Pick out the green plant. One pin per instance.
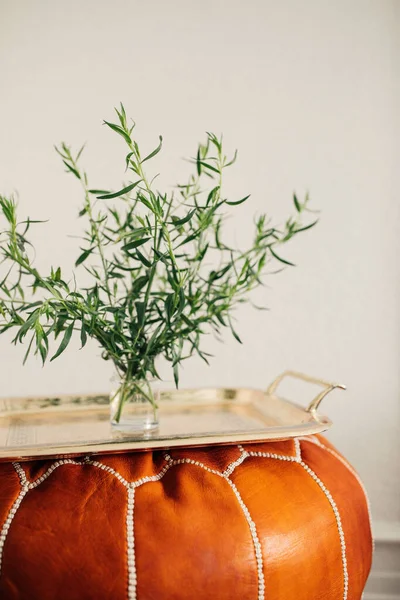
(162, 275)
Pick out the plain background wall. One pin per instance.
(308, 93)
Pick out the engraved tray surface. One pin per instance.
(79, 425)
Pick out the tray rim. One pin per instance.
(315, 423)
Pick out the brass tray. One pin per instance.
(79, 425)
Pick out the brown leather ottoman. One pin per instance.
(278, 520)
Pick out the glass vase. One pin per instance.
(133, 409)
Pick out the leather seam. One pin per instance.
(339, 525)
(314, 440)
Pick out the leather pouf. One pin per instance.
(278, 520)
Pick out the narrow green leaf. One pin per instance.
(218, 274)
(140, 311)
(143, 259)
(135, 244)
(306, 227)
(121, 115)
(296, 203)
(182, 300)
(127, 269)
(42, 352)
(59, 325)
(72, 169)
(32, 305)
(163, 256)
(128, 159)
(188, 322)
(214, 140)
(176, 374)
(190, 238)
(169, 306)
(83, 334)
(221, 319)
(178, 222)
(156, 151)
(96, 192)
(153, 339)
(212, 194)
(282, 260)
(77, 295)
(83, 256)
(233, 160)
(201, 254)
(28, 350)
(238, 201)
(125, 190)
(138, 232)
(28, 324)
(198, 161)
(119, 130)
(29, 221)
(144, 201)
(207, 166)
(139, 283)
(64, 342)
(79, 153)
(235, 335)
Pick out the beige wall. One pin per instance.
(307, 92)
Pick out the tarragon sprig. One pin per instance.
(162, 275)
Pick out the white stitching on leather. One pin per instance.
(317, 442)
(338, 523)
(53, 467)
(297, 448)
(10, 516)
(21, 473)
(283, 457)
(103, 467)
(130, 543)
(256, 541)
(232, 466)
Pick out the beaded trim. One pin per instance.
(338, 523)
(20, 473)
(230, 468)
(8, 521)
(130, 543)
(54, 466)
(298, 459)
(103, 467)
(317, 442)
(256, 541)
(170, 462)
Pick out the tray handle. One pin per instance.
(315, 402)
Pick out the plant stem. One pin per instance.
(98, 244)
(129, 387)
